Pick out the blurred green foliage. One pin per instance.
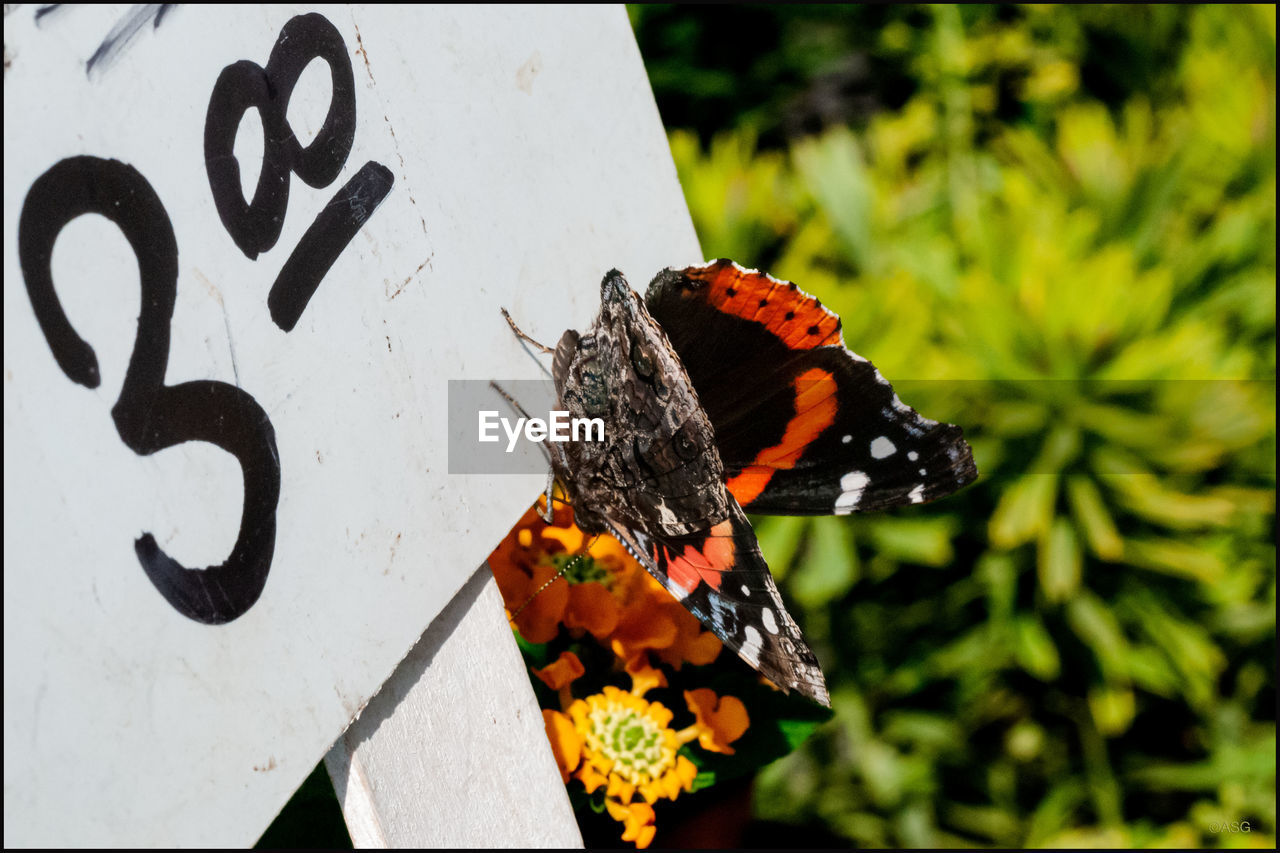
(1054, 226)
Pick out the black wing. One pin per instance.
(804, 426)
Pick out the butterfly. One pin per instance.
(726, 390)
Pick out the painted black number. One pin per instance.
(150, 415)
(255, 225)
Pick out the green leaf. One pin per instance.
(1054, 813)
(1058, 562)
(926, 541)
(833, 170)
(1098, 628)
(1182, 559)
(779, 537)
(704, 779)
(797, 732)
(1112, 708)
(1091, 514)
(1034, 649)
(829, 567)
(1025, 510)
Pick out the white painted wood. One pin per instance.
(451, 752)
(528, 158)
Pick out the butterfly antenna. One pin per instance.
(577, 558)
(550, 499)
(522, 336)
(519, 408)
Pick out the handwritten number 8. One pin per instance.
(255, 225)
(149, 415)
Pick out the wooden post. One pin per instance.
(447, 754)
(245, 250)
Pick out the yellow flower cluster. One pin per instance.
(551, 577)
(622, 741)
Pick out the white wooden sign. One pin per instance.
(245, 248)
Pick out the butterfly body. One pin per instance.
(657, 468)
(726, 388)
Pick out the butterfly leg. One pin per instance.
(549, 513)
(522, 336)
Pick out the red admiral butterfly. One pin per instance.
(727, 389)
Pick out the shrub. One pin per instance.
(1079, 649)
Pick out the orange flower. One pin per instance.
(552, 575)
(643, 626)
(566, 746)
(560, 673)
(644, 677)
(719, 720)
(549, 575)
(629, 746)
(619, 740)
(593, 607)
(653, 620)
(693, 643)
(544, 599)
(636, 819)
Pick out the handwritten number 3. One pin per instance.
(148, 414)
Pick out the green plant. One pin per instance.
(1080, 649)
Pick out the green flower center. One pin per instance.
(632, 741)
(581, 568)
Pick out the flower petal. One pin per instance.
(569, 537)
(644, 677)
(566, 745)
(637, 820)
(591, 778)
(720, 720)
(620, 789)
(539, 621)
(693, 644)
(641, 628)
(561, 672)
(593, 607)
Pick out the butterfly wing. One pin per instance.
(720, 576)
(804, 426)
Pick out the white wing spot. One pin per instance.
(923, 472)
(912, 455)
(751, 647)
(846, 439)
(917, 494)
(851, 486)
(882, 447)
(766, 616)
(746, 591)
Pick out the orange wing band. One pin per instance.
(793, 316)
(815, 411)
